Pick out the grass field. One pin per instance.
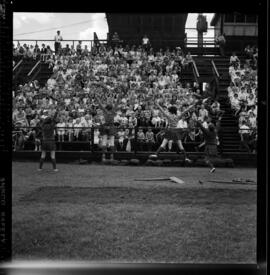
(92, 212)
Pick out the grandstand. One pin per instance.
(44, 81)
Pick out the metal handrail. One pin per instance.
(17, 65)
(33, 68)
(215, 68)
(196, 74)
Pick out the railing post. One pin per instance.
(135, 141)
(92, 140)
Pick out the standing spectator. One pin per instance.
(115, 40)
(43, 52)
(221, 41)
(57, 42)
(79, 48)
(146, 42)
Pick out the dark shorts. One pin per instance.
(211, 150)
(174, 134)
(48, 145)
(108, 130)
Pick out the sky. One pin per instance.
(74, 26)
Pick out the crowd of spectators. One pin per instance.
(26, 51)
(148, 76)
(242, 93)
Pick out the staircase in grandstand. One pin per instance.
(229, 136)
(43, 73)
(29, 70)
(229, 123)
(21, 71)
(208, 66)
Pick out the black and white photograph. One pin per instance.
(134, 137)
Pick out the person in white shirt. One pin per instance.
(253, 109)
(202, 113)
(97, 137)
(244, 132)
(252, 120)
(146, 42)
(235, 103)
(77, 128)
(121, 137)
(57, 42)
(182, 123)
(242, 95)
(234, 60)
(251, 100)
(61, 130)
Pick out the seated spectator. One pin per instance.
(61, 130)
(77, 128)
(97, 138)
(234, 60)
(188, 60)
(120, 139)
(235, 103)
(140, 139)
(248, 52)
(19, 117)
(149, 139)
(252, 121)
(245, 133)
(202, 113)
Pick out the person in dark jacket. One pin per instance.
(48, 140)
(210, 137)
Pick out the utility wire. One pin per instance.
(50, 29)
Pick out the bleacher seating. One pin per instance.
(149, 76)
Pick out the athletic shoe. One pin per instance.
(55, 170)
(187, 160)
(39, 169)
(213, 170)
(154, 156)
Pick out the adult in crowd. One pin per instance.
(220, 40)
(146, 43)
(57, 42)
(147, 76)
